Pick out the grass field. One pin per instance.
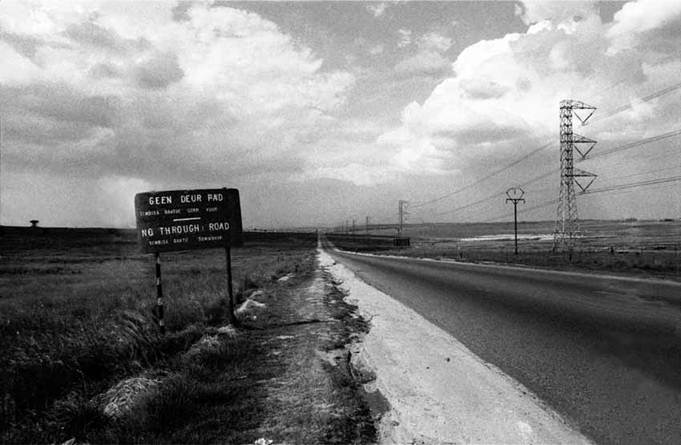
(76, 317)
(647, 248)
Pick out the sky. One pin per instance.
(325, 112)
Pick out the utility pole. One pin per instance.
(567, 219)
(515, 195)
(367, 225)
(402, 213)
(353, 226)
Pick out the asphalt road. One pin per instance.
(605, 352)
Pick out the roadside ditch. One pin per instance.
(285, 375)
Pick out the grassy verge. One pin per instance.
(76, 317)
(624, 260)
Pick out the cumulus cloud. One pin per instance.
(650, 22)
(157, 71)
(504, 93)
(128, 88)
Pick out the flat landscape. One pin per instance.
(641, 248)
(340, 222)
(81, 356)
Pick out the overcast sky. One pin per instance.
(322, 112)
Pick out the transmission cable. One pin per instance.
(484, 178)
(608, 114)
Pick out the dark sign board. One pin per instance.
(188, 219)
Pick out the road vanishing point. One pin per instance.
(603, 351)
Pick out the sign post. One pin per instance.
(189, 219)
(159, 295)
(515, 195)
(230, 290)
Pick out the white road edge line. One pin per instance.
(520, 268)
(438, 390)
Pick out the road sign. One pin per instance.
(188, 219)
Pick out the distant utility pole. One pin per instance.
(567, 219)
(353, 226)
(402, 213)
(367, 225)
(515, 195)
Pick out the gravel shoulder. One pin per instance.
(438, 390)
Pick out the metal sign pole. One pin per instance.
(230, 291)
(159, 295)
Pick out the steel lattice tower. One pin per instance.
(567, 220)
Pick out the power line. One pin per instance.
(549, 173)
(647, 98)
(523, 211)
(610, 189)
(608, 114)
(604, 116)
(658, 170)
(634, 185)
(484, 178)
(638, 143)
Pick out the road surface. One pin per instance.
(605, 352)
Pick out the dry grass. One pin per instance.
(76, 315)
(645, 248)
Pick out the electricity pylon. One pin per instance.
(567, 220)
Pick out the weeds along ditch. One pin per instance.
(76, 317)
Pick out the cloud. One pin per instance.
(534, 11)
(377, 9)
(423, 62)
(91, 34)
(405, 38)
(16, 67)
(376, 50)
(157, 71)
(428, 58)
(126, 89)
(435, 41)
(504, 93)
(644, 21)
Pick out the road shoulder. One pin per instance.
(438, 390)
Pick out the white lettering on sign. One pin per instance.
(147, 232)
(215, 197)
(157, 200)
(190, 198)
(210, 238)
(179, 230)
(218, 226)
